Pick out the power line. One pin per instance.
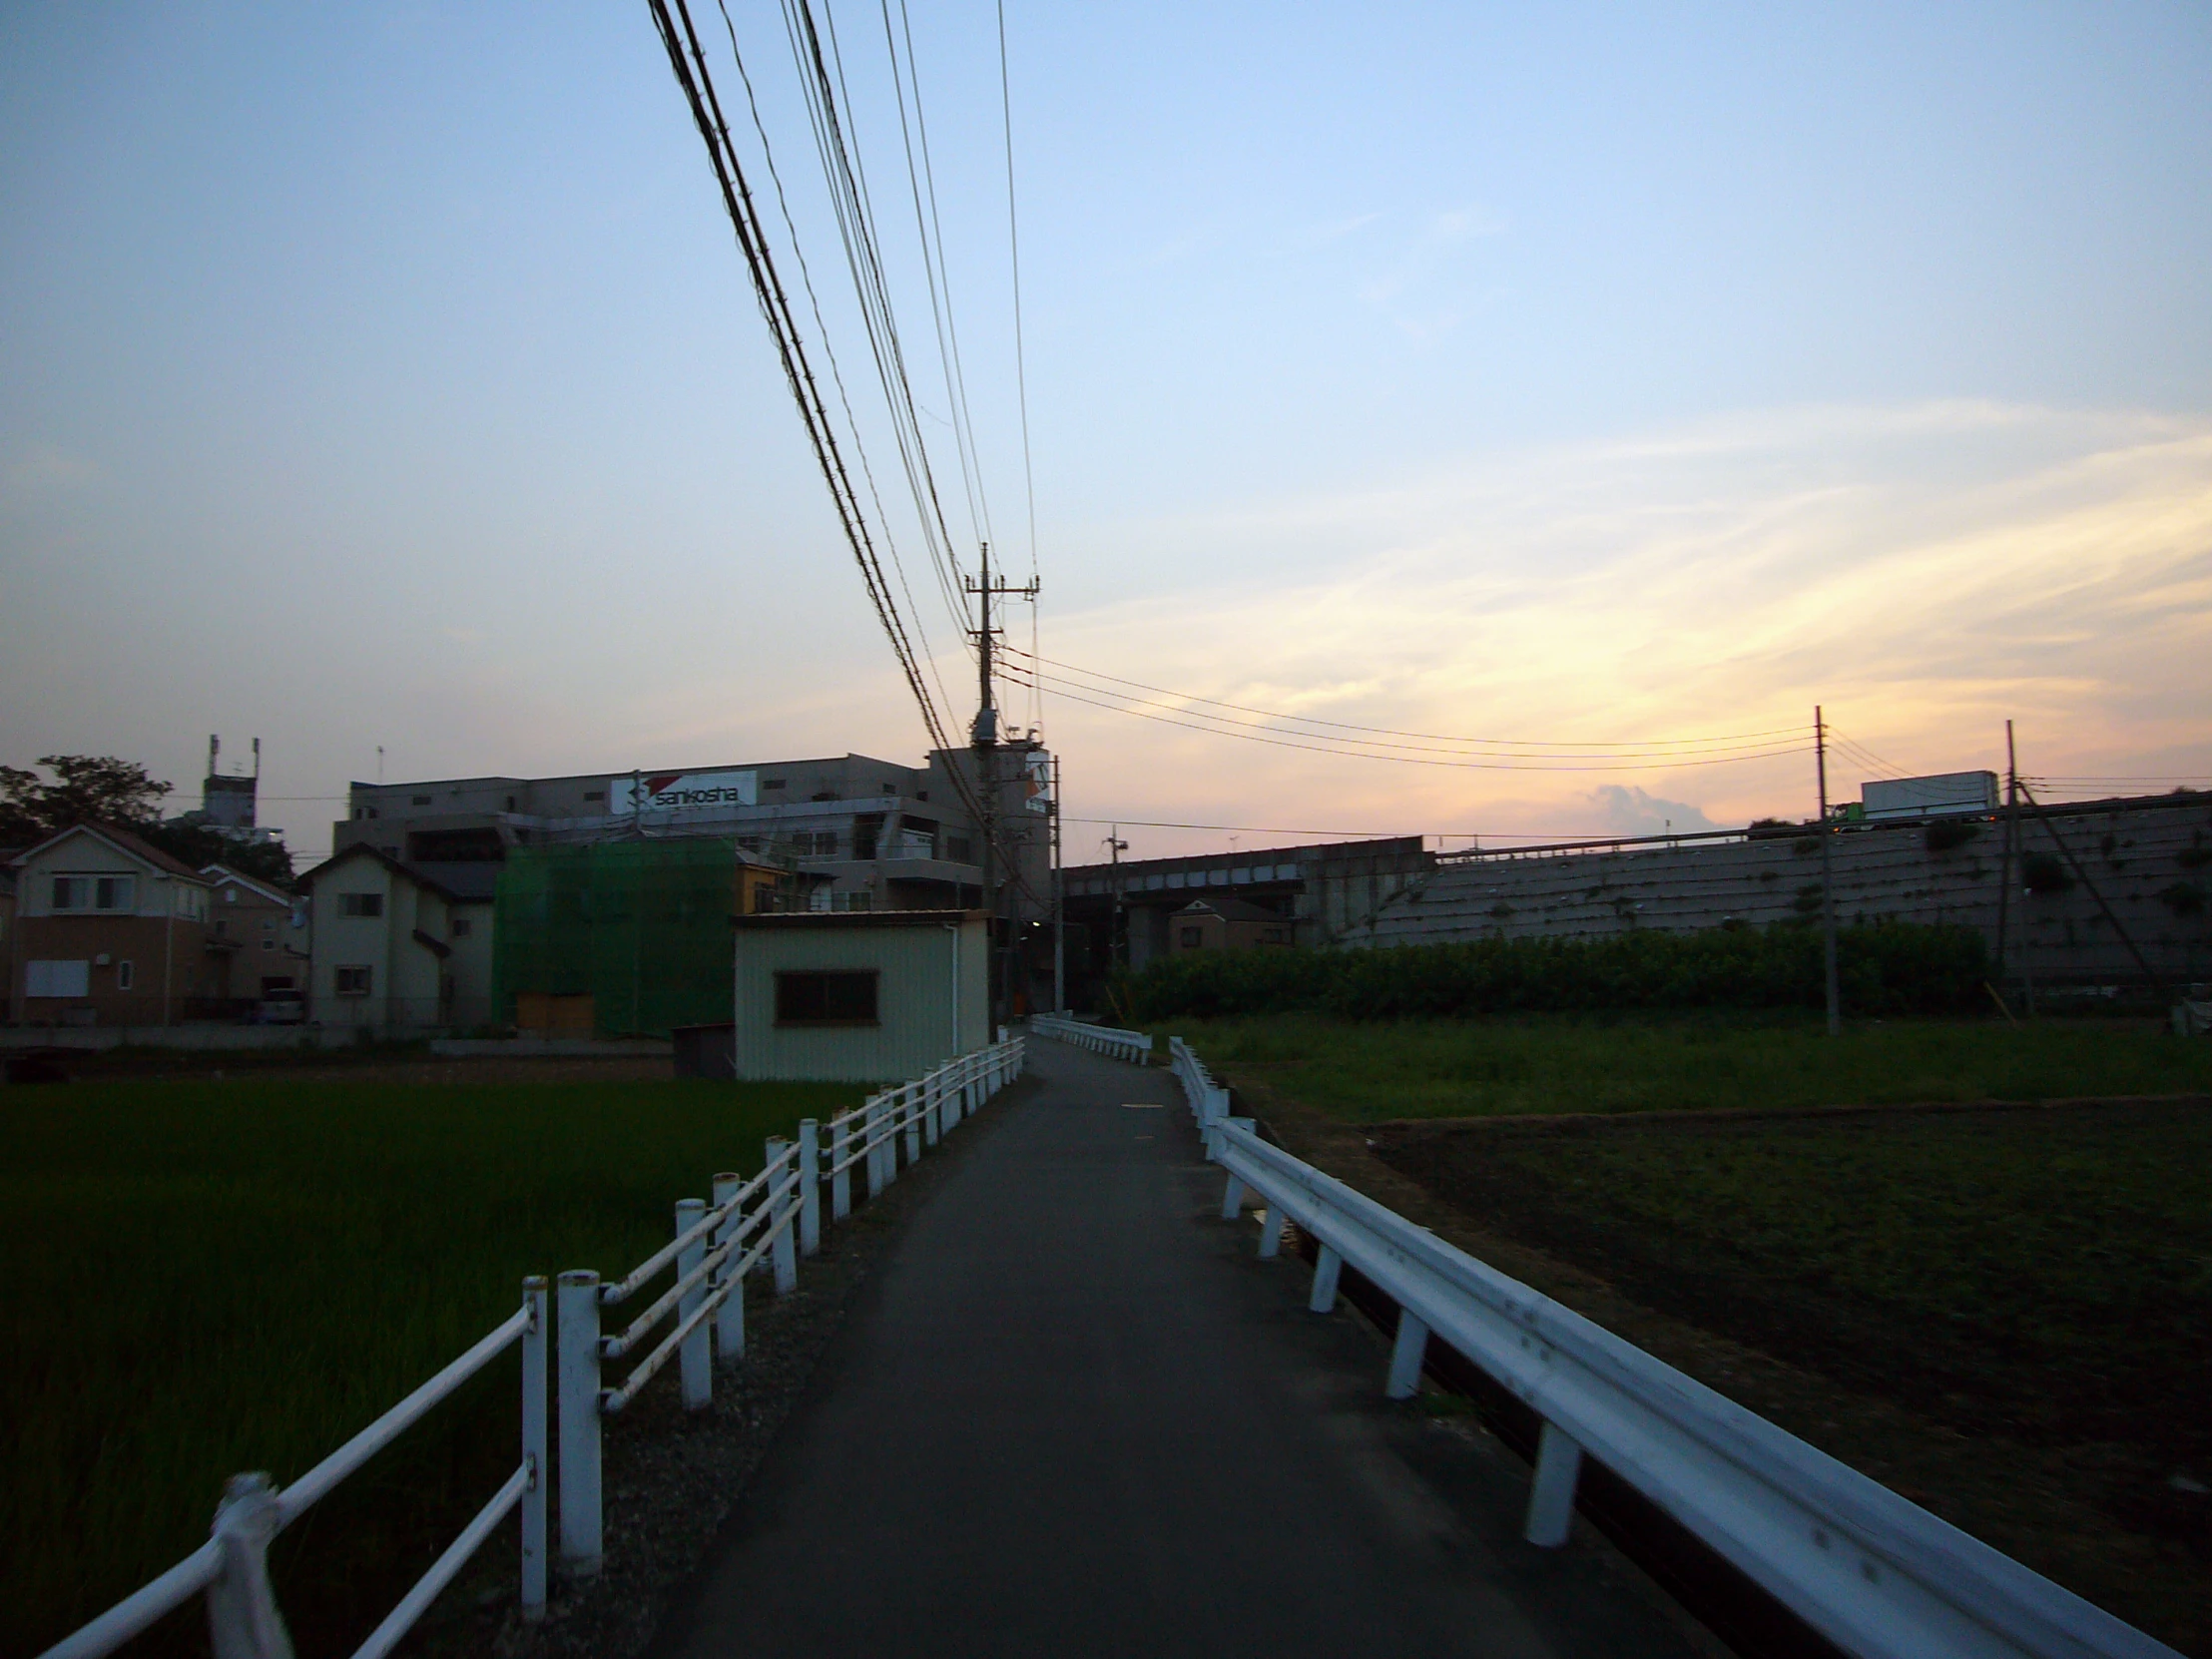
(1654, 745)
(1021, 368)
(1523, 764)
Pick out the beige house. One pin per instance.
(872, 997)
(257, 936)
(398, 947)
(1226, 924)
(109, 932)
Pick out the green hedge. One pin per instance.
(1886, 968)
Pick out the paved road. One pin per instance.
(1075, 1415)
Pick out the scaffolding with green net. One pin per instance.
(641, 928)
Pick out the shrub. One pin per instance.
(1947, 835)
(2042, 873)
(1886, 967)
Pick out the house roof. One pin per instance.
(123, 841)
(830, 920)
(466, 881)
(219, 873)
(1233, 909)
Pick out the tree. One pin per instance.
(98, 788)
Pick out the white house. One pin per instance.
(872, 997)
(399, 948)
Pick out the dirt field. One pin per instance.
(2004, 1313)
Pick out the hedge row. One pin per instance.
(1885, 969)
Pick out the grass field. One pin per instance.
(1368, 1072)
(226, 1276)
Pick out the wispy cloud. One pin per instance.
(1923, 572)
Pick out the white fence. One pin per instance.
(1134, 1046)
(1872, 1572)
(768, 1221)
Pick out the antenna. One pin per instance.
(256, 759)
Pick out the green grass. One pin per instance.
(219, 1277)
(1366, 1072)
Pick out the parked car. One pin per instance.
(282, 1008)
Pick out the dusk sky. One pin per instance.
(1576, 374)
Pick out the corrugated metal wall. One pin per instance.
(923, 975)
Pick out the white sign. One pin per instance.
(1040, 782)
(683, 794)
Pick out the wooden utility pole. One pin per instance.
(985, 737)
(1828, 878)
(2007, 852)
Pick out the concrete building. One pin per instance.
(1225, 923)
(258, 936)
(109, 932)
(2145, 861)
(230, 801)
(399, 948)
(875, 997)
(1319, 892)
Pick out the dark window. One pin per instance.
(960, 850)
(422, 800)
(361, 903)
(773, 784)
(461, 928)
(1192, 938)
(864, 833)
(595, 795)
(845, 997)
(351, 982)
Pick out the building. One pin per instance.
(2094, 885)
(399, 948)
(859, 997)
(110, 931)
(230, 801)
(258, 936)
(853, 832)
(1225, 923)
(1126, 911)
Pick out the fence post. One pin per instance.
(1327, 1265)
(243, 1620)
(910, 1108)
(696, 1356)
(810, 1187)
(576, 1303)
(1232, 1199)
(1551, 1493)
(729, 1315)
(869, 1123)
(1271, 1231)
(783, 1216)
(1406, 1355)
(536, 1338)
(932, 1096)
(841, 1175)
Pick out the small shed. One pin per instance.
(873, 996)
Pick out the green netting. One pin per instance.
(641, 927)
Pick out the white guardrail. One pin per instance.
(1874, 1574)
(771, 1220)
(1134, 1046)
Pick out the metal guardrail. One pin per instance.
(1135, 1046)
(774, 1218)
(232, 1567)
(1871, 1571)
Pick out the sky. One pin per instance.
(388, 375)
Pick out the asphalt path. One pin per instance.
(1075, 1414)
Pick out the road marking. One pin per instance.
(1144, 1106)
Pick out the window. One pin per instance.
(269, 924)
(95, 892)
(269, 945)
(57, 979)
(844, 997)
(360, 904)
(773, 784)
(350, 981)
(462, 928)
(422, 801)
(1192, 938)
(891, 789)
(125, 975)
(230, 895)
(222, 927)
(817, 843)
(960, 850)
(595, 795)
(510, 804)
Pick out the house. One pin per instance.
(859, 996)
(1225, 924)
(7, 931)
(398, 947)
(109, 932)
(258, 935)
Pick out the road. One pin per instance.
(1074, 1415)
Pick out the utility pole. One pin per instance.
(985, 737)
(1059, 905)
(1115, 847)
(1828, 878)
(2009, 851)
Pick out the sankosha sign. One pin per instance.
(684, 794)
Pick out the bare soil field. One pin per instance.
(2002, 1312)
